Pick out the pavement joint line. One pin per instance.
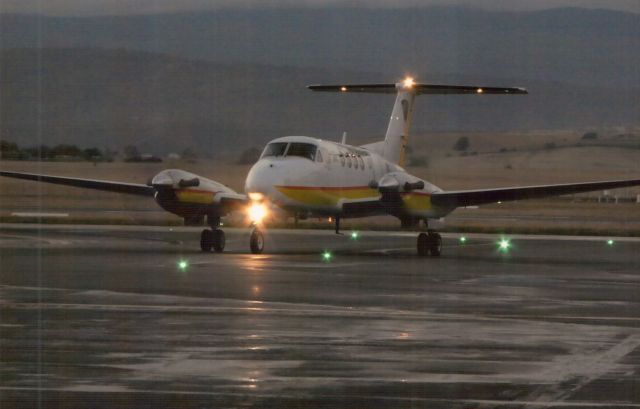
(314, 232)
(574, 404)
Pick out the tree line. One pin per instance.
(61, 152)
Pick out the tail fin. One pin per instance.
(397, 136)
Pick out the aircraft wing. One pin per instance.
(483, 196)
(105, 185)
(362, 208)
(233, 201)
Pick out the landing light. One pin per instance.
(183, 265)
(355, 235)
(504, 245)
(257, 212)
(343, 89)
(463, 239)
(408, 82)
(610, 242)
(326, 255)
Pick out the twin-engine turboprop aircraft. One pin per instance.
(305, 176)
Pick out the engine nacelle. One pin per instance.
(399, 182)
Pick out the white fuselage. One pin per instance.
(335, 174)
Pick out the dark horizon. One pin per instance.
(84, 8)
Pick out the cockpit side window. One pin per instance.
(305, 150)
(274, 149)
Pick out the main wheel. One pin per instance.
(206, 240)
(435, 244)
(423, 244)
(219, 240)
(256, 242)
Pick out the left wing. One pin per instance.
(462, 198)
(105, 185)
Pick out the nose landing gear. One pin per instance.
(429, 243)
(256, 241)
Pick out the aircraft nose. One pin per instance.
(263, 176)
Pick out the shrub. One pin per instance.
(462, 144)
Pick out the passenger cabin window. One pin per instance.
(274, 149)
(305, 150)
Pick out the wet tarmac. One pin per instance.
(105, 317)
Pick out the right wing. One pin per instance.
(104, 185)
(463, 198)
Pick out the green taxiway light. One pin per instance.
(504, 244)
(610, 242)
(326, 256)
(355, 235)
(183, 264)
(463, 239)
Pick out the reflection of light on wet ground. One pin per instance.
(403, 335)
(254, 263)
(254, 306)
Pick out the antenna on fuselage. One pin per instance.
(344, 138)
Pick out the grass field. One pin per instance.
(524, 160)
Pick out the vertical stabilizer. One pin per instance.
(395, 141)
(397, 136)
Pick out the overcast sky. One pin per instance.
(97, 7)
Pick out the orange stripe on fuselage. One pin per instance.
(330, 195)
(326, 195)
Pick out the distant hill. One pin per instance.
(575, 46)
(112, 98)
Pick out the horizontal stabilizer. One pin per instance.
(104, 185)
(419, 89)
(485, 196)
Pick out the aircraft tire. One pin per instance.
(219, 240)
(256, 242)
(206, 240)
(435, 244)
(423, 244)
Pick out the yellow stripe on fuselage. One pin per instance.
(326, 196)
(195, 196)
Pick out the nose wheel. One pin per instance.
(429, 244)
(212, 239)
(256, 241)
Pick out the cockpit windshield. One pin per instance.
(275, 149)
(305, 150)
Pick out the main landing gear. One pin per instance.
(213, 237)
(429, 244)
